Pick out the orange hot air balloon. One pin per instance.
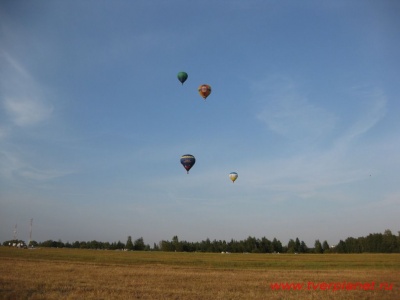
(204, 90)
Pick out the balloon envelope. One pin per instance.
(182, 76)
(233, 176)
(188, 161)
(204, 90)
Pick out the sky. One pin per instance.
(304, 107)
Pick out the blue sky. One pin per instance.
(304, 107)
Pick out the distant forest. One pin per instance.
(373, 243)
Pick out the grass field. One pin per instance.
(90, 274)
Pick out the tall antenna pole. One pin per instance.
(30, 233)
(15, 232)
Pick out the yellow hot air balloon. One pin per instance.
(233, 176)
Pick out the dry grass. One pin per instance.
(85, 274)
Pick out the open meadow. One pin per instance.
(98, 274)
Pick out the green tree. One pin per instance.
(48, 243)
(318, 247)
(129, 244)
(291, 246)
(166, 246)
(176, 244)
(117, 246)
(325, 247)
(297, 245)
(276, 246)
(303, 247)
(398, 241)
(389, 242)
(341, 247)
(353, 245)
(156, 247)
(251, 245)
(206, 245)
(94, 245)
(265, 245)
(33, 244)
(139, 244)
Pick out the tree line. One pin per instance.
(373, 243)
(138, 244)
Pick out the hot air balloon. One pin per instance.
(204, 90)
(188, 161)
(233, 176)
(182, 76)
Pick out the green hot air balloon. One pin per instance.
(182, 76)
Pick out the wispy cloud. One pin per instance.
(289, 113)
(27, 111)
(373, 110)
(22, 97)
(304, 172)
(24, 105)
(16, 166)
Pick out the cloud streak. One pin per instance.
(22, 97)
(27, 111)
(17, 166)
(289, 113)
(304, 172)
(24, 107)
(374, 110)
